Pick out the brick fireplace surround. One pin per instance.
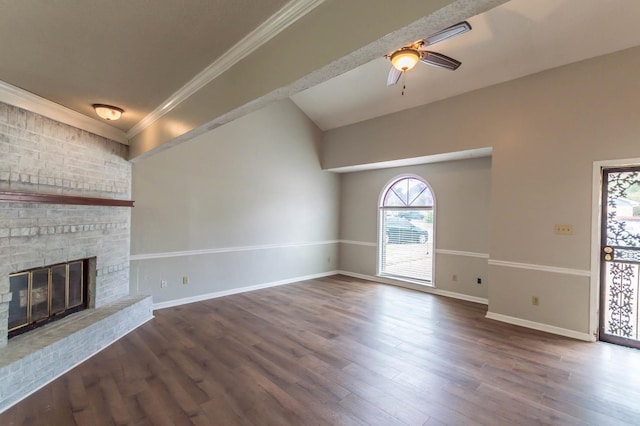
(39, 155)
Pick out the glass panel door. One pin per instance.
(19, 305)
(75, 284)
(405, 236)
(58, 288)
(406, 246)
(39, 295)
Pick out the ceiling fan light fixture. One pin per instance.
(108, 112)
(405, 58)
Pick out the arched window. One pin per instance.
(406, 230)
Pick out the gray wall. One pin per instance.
(462, 194)
(546, 131)
(246, 204)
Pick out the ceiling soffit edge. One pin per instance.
(277, 23)
(20, 98)
(414, 161)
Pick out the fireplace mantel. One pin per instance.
(31, 197)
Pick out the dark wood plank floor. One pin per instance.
(340, 351)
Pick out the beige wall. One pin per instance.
(243, 205)
(546, 131)
(462, 193)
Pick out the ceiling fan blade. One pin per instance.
(452, 31)
(394, 76)
(439, 60)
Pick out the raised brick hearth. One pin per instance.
(32, 360)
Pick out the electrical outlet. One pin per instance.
(185, 280)
(163, 283)
(535, 300)
(479, 280)
(561, 229)
(454, 277)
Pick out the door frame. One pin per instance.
(596, 234)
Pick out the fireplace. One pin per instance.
(50, 293)
(68, 202)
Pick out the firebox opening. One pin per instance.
(50, 293)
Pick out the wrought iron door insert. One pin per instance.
(620, 256)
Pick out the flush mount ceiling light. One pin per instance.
(108, 112)
(405, 58)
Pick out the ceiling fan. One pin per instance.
(407, 57)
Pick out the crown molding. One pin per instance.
(26, 100)
(277, 23)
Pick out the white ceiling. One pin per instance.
(520, 37)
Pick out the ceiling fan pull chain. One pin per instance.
(404, 78)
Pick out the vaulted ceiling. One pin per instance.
(515, 39)
(180, 68)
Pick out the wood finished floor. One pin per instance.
(340, 351)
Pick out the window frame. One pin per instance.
(381, 234)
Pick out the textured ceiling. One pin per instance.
(515, 39)
(137, 54)
(133, 54)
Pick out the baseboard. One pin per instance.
(417, 287)
(215, 295)
(541, 327)
(491, 315)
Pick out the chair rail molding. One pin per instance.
(543, 268)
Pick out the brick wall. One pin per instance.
(43, 156)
